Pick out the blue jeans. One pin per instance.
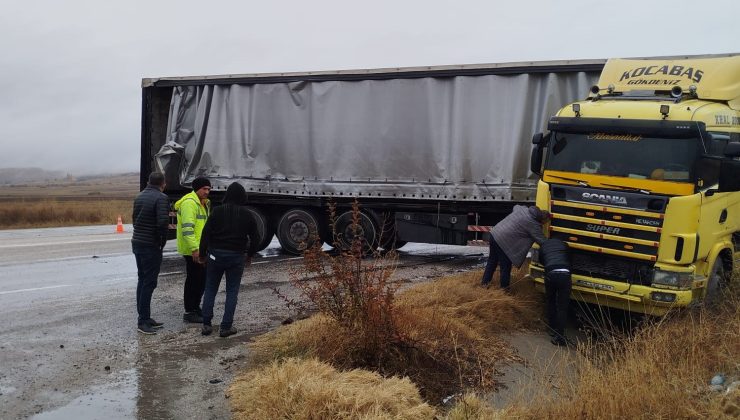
(218, 263)
(497, 256)
(148, 262)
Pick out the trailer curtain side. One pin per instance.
(462, 138)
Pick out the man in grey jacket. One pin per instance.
(151, 220)
(511, 239)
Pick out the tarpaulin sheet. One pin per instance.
(462, 138)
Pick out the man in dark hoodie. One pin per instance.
(510, 241)
(554, 256)
(226, 245)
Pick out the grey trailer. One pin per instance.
(432, 154)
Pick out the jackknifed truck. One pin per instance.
(642, 180)
(432, 154)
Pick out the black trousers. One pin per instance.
(195, 284)
(557, 296)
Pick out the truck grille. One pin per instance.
(611, 268)
(628, 233)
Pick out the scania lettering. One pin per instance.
(613, 199)
(642, 179)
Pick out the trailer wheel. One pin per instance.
(265, 230)
(718, 280)
(297, 230)
(367, 231)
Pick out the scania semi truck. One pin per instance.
(432, 154)
(642, 181)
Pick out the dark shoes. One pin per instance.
(206, 330)
(227, 332)
(154, 324)
(192, 317)
(559, 341)
(485, 285)
(147, 329)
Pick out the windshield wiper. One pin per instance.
(621, 187)
(577, 181)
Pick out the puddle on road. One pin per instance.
(111, 401)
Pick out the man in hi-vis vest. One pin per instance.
(192, 213)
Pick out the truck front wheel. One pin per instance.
(719, 278)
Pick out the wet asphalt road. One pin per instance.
(68, 341)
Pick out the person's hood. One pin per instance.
(536, 213)
(235, 194)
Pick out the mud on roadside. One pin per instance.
(86, 357)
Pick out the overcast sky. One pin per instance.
(71, 70)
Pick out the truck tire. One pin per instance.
(265, 230)
(718, 280)
(297, 230)
(368, 231)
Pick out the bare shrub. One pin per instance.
(447, 332)
(310, 389)
(357, 293)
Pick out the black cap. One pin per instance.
(200, 182)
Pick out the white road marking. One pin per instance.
(7, 292)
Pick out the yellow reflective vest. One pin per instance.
(191, 217)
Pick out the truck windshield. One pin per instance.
(624, 155)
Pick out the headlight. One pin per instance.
(673, 279)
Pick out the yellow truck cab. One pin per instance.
(642, 180)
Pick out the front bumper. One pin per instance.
(628, 297)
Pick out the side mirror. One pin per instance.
(540, 141)
(535, 161)
(732, 150)
(729, 175)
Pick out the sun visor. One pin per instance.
(715, 78)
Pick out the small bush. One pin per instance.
(449, 336)
(355, 292)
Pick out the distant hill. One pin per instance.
(10, 176)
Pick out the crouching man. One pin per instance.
(555, 257)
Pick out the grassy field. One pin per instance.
(71, 202)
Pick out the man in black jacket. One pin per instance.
(151, 220)
(227, 245)
(554, 256)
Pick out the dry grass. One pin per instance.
(69, 202)
(659, 370)
(51, 213)
(471, 406)
(310, 389)
(662, 371)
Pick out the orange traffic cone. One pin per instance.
(119, 225)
